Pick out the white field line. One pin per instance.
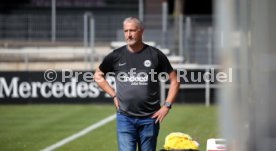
(81, 133)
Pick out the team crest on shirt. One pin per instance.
(147, 63)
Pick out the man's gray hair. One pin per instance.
(137, 21)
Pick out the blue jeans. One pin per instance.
(132, 131)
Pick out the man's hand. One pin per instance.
(160, 114)
(116, 104)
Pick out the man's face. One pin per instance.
(132, 33)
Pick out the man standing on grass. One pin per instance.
(137, 68)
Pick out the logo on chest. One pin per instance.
(147, 63)
(122, 64)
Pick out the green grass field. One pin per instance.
(34, 127)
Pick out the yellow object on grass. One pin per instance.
(178, 140)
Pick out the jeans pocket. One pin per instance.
(150, 128)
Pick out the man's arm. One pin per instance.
(103, 84)
(174, 87)
(173, 90)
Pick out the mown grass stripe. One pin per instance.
(81, 133)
